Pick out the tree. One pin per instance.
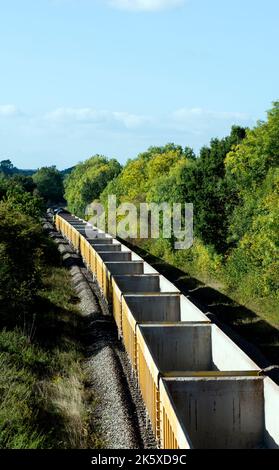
(248, 163)
(20, 241)
(6, 167)
(150, 170)
(255, 258)
(17, 198)
(18, 193)
(86, 182)
(247, 168)
(252, 166)
(153, 177)
(205, 185)
(3, 186)
(49, 184)
(25, 182)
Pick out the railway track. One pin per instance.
(118, 415)
(199, 388)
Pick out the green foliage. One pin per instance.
(18, 193)
(6, 167)
(41, 384)
(24, 202)
(233, 185)
(25, 182)
(42, 397)
(18, 429)
(169, 186)
(249, 162)
(67, 171)
(41, 378)
(21, 241)
(86, 182)
(49, 184)
(253, 167)
(255, 259)
(153, 176)
(3, 186)
(206, 186)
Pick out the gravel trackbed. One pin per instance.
(119, 412)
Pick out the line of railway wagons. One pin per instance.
(200, 389)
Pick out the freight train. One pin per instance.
(199, 388)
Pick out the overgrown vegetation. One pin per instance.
(8, 169)
(233, 184)
(44, 185)
(44, 400)
(49, 184)
(87, 180)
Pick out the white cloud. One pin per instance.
(189, 121)
(145, 5)
(186, 113)
(86, 130)
(192, 121)
(7, 110)
(198, 119)
(102, 117)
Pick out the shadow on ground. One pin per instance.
(255, 336)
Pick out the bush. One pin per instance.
(49, 184)
(86, 182)
(21, 240)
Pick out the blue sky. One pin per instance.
(80, 77)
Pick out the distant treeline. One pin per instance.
(7, 169)
(45, 186)
(233, 184)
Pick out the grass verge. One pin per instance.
(45, 402)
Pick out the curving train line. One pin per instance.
(200, 389)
